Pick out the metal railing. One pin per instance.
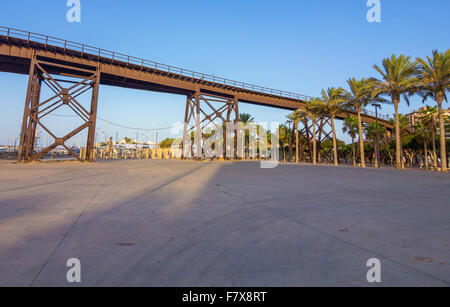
(142, 63)
(373, 114)
(370, 113)
(115, 56)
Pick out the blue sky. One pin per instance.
(300, 46)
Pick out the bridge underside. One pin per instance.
(87, 71)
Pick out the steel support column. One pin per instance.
(26, 112)
(323, 132)
(93, 119)
(207, 111)
(35, 110)
(236, 131)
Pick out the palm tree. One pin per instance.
(359, 96)
(423, 131)
(283, 132)
(264, 141)
(310, 109)
(404, 125)
(434, 83)
(428, 117)
(371, 134)
(246, 119)
(447, 125)
(399, 77)
(333, 103)
(295, 117)
(351, 127)
(403, 122)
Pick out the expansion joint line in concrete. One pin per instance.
(91, 201)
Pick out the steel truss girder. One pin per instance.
(35, 110)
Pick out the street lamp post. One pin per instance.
(378, 137)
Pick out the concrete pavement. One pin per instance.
(178, 223)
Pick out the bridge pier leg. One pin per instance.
(229, 151)
(26, 125)
(236, 130)
(206, 111)
(190, 115)
(35, 110)
(36, 101)
(32, 130)
(93, 119)
(323, 132)
(306, 133)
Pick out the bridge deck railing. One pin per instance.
(373, 114)
(116, 56)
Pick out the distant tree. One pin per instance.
(284, 133)
(429, 118)
(246, 119)
(167, 143)
(295, 117)
(351, 125)
(403, 123)
(372, 133)
(423, 132)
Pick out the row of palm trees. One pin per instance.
(427, 129)
(400, 76)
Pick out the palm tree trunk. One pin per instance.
(314, 143)
(353, 151)
(398, 145)
(442, 135)
(361, 139)
(336, 162)
(319, 143)
(425, 151)
(375, 150)
(435, 162)
(296, 143)
(308, 140)
(247, 144)
(291, 143)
